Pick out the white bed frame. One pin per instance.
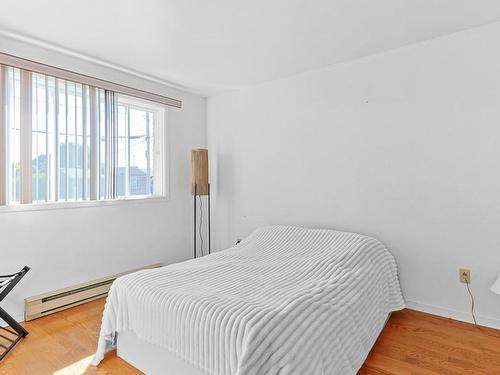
(151, 359)
(154, 360)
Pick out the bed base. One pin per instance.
(152, 359)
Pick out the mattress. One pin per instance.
(286, 300)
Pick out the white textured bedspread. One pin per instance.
(286, 300)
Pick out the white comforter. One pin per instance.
(286, 300)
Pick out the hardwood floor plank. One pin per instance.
(435, 344)
(443, 351)
(412, 343)
(63, 344)
(366, 370)
(428, 359)
(395, 366)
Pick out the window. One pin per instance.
(65, 141)
(137, 143)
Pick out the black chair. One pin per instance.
(10, 337)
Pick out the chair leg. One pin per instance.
(12, 323)
(13, 342)
(10, 337)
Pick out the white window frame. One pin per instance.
(162, 101)
(160, 146)
(161, 172)
(3, 141)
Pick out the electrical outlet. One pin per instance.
(464, 275)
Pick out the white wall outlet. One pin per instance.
(464, 275)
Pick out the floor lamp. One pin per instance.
(199, 187)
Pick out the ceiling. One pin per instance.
(216, 44)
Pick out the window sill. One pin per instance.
(80, 204)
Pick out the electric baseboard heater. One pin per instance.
(57, 300)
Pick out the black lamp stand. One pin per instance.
(195, 221)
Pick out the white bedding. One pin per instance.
(286, 300)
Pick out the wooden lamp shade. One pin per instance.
(199, 171)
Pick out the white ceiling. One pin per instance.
(214, 44)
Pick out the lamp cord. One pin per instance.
(484, 330)
(201, 225)
(472, 303)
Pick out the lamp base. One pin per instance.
(195, 221)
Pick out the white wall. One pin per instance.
(70, 246)
(403, 146)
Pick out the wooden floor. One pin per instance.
(411, 343)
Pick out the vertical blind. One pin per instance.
(60, 140)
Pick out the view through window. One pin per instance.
(79, 142)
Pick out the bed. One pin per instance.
(285, 300)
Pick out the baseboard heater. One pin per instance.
(57, 300)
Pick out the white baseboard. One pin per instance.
(454, 314)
